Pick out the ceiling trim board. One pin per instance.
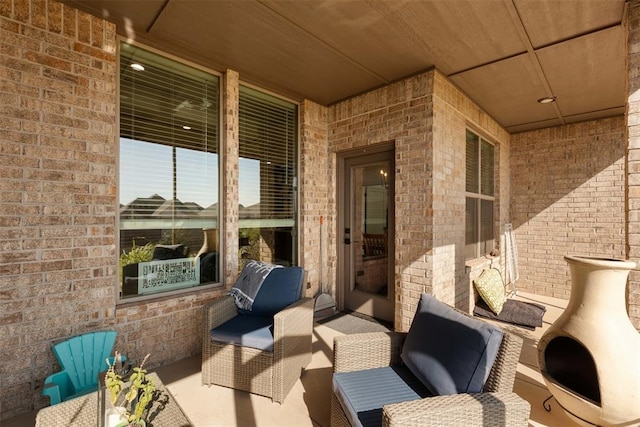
(570, 120)
(577, 36)
(517, 19)
(496, 61)
(155, 18)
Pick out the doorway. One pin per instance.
(366, 227)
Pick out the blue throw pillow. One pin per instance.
(449, 352)
(282, 287)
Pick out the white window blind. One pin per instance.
(486, 168)
(268, 136)
(158, 103)
(169, 140)
(472, 163)
(268, 139)
(479, 228)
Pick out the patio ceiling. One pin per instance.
(505, 54)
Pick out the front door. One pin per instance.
(367, 224)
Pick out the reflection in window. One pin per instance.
(168, 174)
(370, 185)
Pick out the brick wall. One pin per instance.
(58, 212)
(567, 197)
(425, 116)
(400, 112)
(633, 156)
(58, 187)
(57, 216)
(230, 183)
(315, 184)
(453, 113)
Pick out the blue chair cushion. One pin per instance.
(281, 287)
(247, 331)
(362, 394)
(449, 352)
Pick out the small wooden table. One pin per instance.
(82, 411)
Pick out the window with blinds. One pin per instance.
(479, 196)
(169, 139)
(268, 136)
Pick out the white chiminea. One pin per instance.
(590, 357)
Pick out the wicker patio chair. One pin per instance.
(496, 405)
(267, 373)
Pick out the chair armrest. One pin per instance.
(294, 320)
(301, 310)
(357, 352)
(58, 386)
(461, 410)
(503, 372)
(292, 338)
(218, 311)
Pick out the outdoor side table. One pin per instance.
(82, 411)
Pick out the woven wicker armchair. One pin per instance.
(496, 406)
(270, 374)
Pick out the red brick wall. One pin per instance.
(567, 197)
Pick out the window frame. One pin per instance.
(123, 301)
(478, 197)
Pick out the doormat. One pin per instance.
(351, 322)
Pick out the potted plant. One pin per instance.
(129, 409)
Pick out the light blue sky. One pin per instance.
(146, 169)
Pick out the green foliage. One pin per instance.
(136, 254)
(252, 250)
(139, 394)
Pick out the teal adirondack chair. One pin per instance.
(82, 358)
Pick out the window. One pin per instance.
(479, 196)
(169, 127)
(268, 137)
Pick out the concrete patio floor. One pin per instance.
(308, 402)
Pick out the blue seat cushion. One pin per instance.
(362, 394)
(281, 287)
(449, 352)
(246, 331)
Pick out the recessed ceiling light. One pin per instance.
(137, 67)
(547, 100)
(185, 127)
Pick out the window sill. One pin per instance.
(163, 296)
(481, 263)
